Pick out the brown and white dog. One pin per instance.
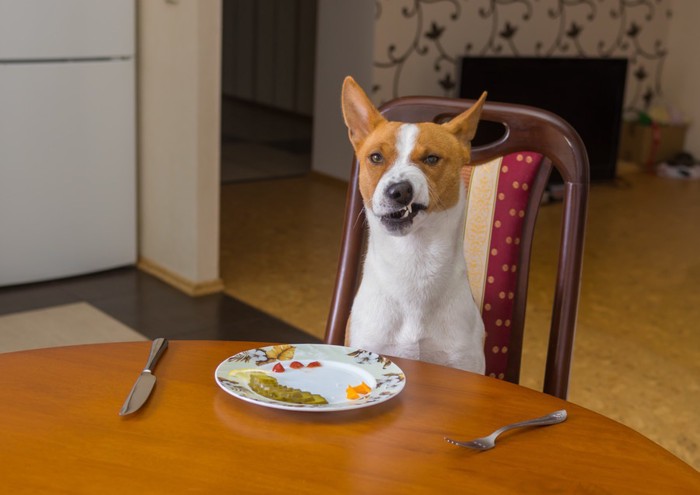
(414, 300)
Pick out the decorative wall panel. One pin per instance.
(418, 43)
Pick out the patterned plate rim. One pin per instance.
(390, 378)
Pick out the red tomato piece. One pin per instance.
(278, 368)
(313, 364)
(296, 365)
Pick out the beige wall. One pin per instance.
(682, 71)
(179, 67)
(344, 47)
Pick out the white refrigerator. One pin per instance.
(67, 138)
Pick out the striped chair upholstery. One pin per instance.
(497, 195)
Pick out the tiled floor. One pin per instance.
(153, 308)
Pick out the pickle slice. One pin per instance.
(269, 387)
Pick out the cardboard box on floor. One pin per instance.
(648, 145)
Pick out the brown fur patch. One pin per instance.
(382, 140)
(370, 133)
(443, 177)
(361, 117)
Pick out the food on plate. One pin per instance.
(281, 352)
(279, 368)
(269, 387)
(354, 393)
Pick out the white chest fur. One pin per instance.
(414, 300)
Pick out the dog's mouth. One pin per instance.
(402, 217)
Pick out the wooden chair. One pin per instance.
(504, 194)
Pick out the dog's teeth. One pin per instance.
(402, 213)
(409, 208)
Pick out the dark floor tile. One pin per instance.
(239, 321)
(111, 283)
(155, 309)
(33, 296)
(264, 329)
(163, 314)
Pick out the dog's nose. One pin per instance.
(400, 192)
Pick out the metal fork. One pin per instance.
(489, 442)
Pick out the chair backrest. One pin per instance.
(505, 189)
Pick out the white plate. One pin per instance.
(339, 368)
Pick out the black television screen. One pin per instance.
(586, 92)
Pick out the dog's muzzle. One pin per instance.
(398, 198)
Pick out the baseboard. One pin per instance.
(187, 286)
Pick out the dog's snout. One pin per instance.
(400, 192)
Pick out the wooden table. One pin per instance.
(60, 432)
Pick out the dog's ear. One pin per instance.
(360, 115)
(464, 125)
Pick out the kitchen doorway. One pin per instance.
(268, 59)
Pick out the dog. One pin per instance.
(414, 299)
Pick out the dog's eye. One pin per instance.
(376, 158)
(431, 159)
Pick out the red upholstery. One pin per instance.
(514, 183)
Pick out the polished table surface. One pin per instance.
(61, 434)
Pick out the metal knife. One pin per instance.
(146, 380)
